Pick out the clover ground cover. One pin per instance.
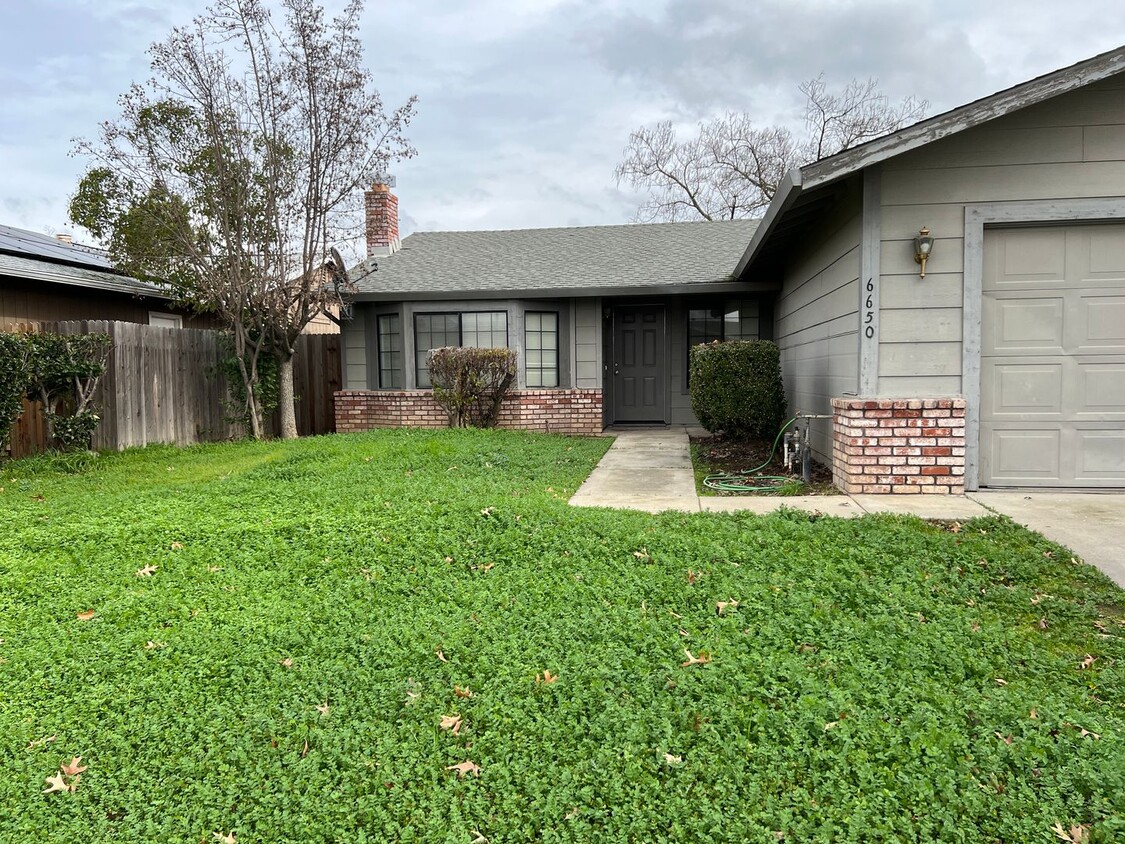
(411, 636)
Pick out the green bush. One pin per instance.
(470, 384)
(13, 382)
(736, 388)
(63, 373)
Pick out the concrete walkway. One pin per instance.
(650, 469)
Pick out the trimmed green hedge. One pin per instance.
(736, 388)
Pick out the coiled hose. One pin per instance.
(736, 481)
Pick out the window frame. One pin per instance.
(557, 349)
(460, 334)
(379, 367)
(714, 305)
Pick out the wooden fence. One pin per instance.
(166, 385)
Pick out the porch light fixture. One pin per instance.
(923, 246)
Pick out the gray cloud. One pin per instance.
(525, 105)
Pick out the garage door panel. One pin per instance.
(1020, 456)
(1024, 323)
(1026, 257)
(1102, 323)
(1104, 250)
(1052, 402)
(1103, 389)
(1101, 456)
(1022, 388)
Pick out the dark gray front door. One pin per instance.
(638, 364)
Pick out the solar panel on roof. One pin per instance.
(22, 242)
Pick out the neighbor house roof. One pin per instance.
(591, 260)
(26, 254)
(794, 200)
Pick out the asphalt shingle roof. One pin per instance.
(25, 254)
(559, 261)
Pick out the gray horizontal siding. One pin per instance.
(1071, 147)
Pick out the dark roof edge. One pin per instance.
(967, 116)
(783, 199)
(567, 293)
(951, 122)
(103, 281)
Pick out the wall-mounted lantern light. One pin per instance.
(923, 246)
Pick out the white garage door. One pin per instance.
(1053, 357)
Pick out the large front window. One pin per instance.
(476, 329)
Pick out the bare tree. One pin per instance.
(230, 174)
(732, 168)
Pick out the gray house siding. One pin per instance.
(1068, 148)
(816, 319)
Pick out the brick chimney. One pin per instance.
(381, 210)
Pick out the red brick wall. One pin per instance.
(552, 411)
(906, 446)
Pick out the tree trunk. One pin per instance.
(285, 400)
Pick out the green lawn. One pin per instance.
(317, 608)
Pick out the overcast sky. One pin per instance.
(525, 105)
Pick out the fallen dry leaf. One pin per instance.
(546, 677)
(478, 839)
(226, 839)
(673, 760)
(702, 659)
(1043, 625)
(84, 616)
(177, 546)
(287, 662)
(1087, 661)
(955, 527)
(214, 569)
(1083, 732)
(1006, 739)
(465, 692)
(1077, 834)
(441, 655)
(152, 646)
(692, 576)
(831, 725)
(451, 723)
(1033, 714)
(324, 709)
(39, 742)
(55, 783)
(488, 511)
(975, 627)
(147, 571)
(463, 768)
(305, 749)
(721, 606)
(1000, 681)
(72, 768)
(642, 554)
(1101, 626)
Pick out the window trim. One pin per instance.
(178, 319)
(379, 368)
(460, 332)
(558, 349)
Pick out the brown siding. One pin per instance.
(24, 300)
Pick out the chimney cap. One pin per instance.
(62, 237)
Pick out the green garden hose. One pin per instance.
(734, 481)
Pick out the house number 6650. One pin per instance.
(869, 310)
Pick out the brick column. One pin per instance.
(903, 446)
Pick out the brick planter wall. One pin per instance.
(552, 411)
(905, 446)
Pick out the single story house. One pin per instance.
(998, 361)
(52, 279)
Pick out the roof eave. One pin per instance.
(783, 199)
(565, 293)
(964, 117)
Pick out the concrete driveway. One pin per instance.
(1092, 524)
